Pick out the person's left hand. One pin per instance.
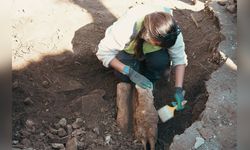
(139, 79)
(179, 97)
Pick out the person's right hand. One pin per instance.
(138, 79)
(179, 98)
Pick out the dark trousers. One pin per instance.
(152, 66)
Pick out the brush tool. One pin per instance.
(167, 112)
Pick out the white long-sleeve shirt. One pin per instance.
(122, 32)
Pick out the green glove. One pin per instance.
(137, 78)
(178, 96)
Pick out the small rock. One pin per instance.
(51, 136)
(25, 133)
(92, 146)
(57, 125)
(57, 139)
(61, 132)
(107, 139)
(90, 135)
(82, 139)
(199, 141)
(104, 123)
(71, 144)
(28, 101)
(96, 130)
(222, 3)
(26, 142)
(15, 142)
(135, 141)
(231, 1)
(44, 122)
(29, 123)
(57, 145)
(103, 109)
(78, 123)
(45, 84)
(99, 140)
(15, 84)
(231, 8)
(63, 122)
(52, 130)
(81, 145)
(78, 132)
(206, 133)
(42, 134)
(69, 129)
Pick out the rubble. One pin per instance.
(57, 146)
(28, 101)
(62, 122)
(232, 8)
(78, 123)
(222, 2)
(15, 84)
(69, 129)
(45, 84)
(42, 134)
(78, 132)
(26, 142)
(52, 130)
(199, 141)
(107, 139)
(61, 132)
(57, 125)
(30, 125)
(15, 142)
(96, 130)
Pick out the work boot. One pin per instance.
(124, 106)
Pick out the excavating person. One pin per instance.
(140, 46)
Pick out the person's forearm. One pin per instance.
(179, 75)
(117, 65)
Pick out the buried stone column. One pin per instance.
(136, 111)
(124, 106)
(145, 117)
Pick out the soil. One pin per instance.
(76, 85)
